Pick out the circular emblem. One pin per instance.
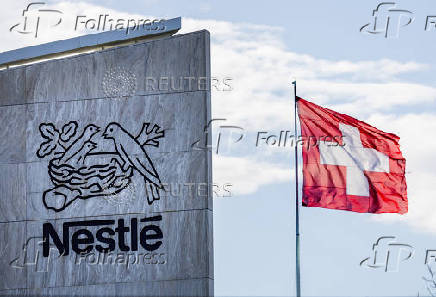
(127, 196)
(119, 82)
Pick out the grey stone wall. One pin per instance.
(126, 85)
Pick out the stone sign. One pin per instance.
(103, 192)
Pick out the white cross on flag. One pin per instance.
(348, 164)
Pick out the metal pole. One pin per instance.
(297, 210)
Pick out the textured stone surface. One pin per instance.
(12, 272)
(182, 288)
(13, 134)
(184, 247)
(183, 175)
(12, 87)
(178, 114)
(173, 59)
(13, 192)
(116, 85)
(183, 168)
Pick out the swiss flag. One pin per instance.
(348, 164)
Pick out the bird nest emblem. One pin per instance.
(97, 163)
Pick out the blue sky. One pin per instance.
(262, 45)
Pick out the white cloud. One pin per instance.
(247, 175)
(366, 98)
(262, 68)
(418, 145)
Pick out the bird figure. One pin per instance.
(71, 151)
(134, 156)
(79, 157)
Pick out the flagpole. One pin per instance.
(297, 210)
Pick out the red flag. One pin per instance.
(348, 164)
